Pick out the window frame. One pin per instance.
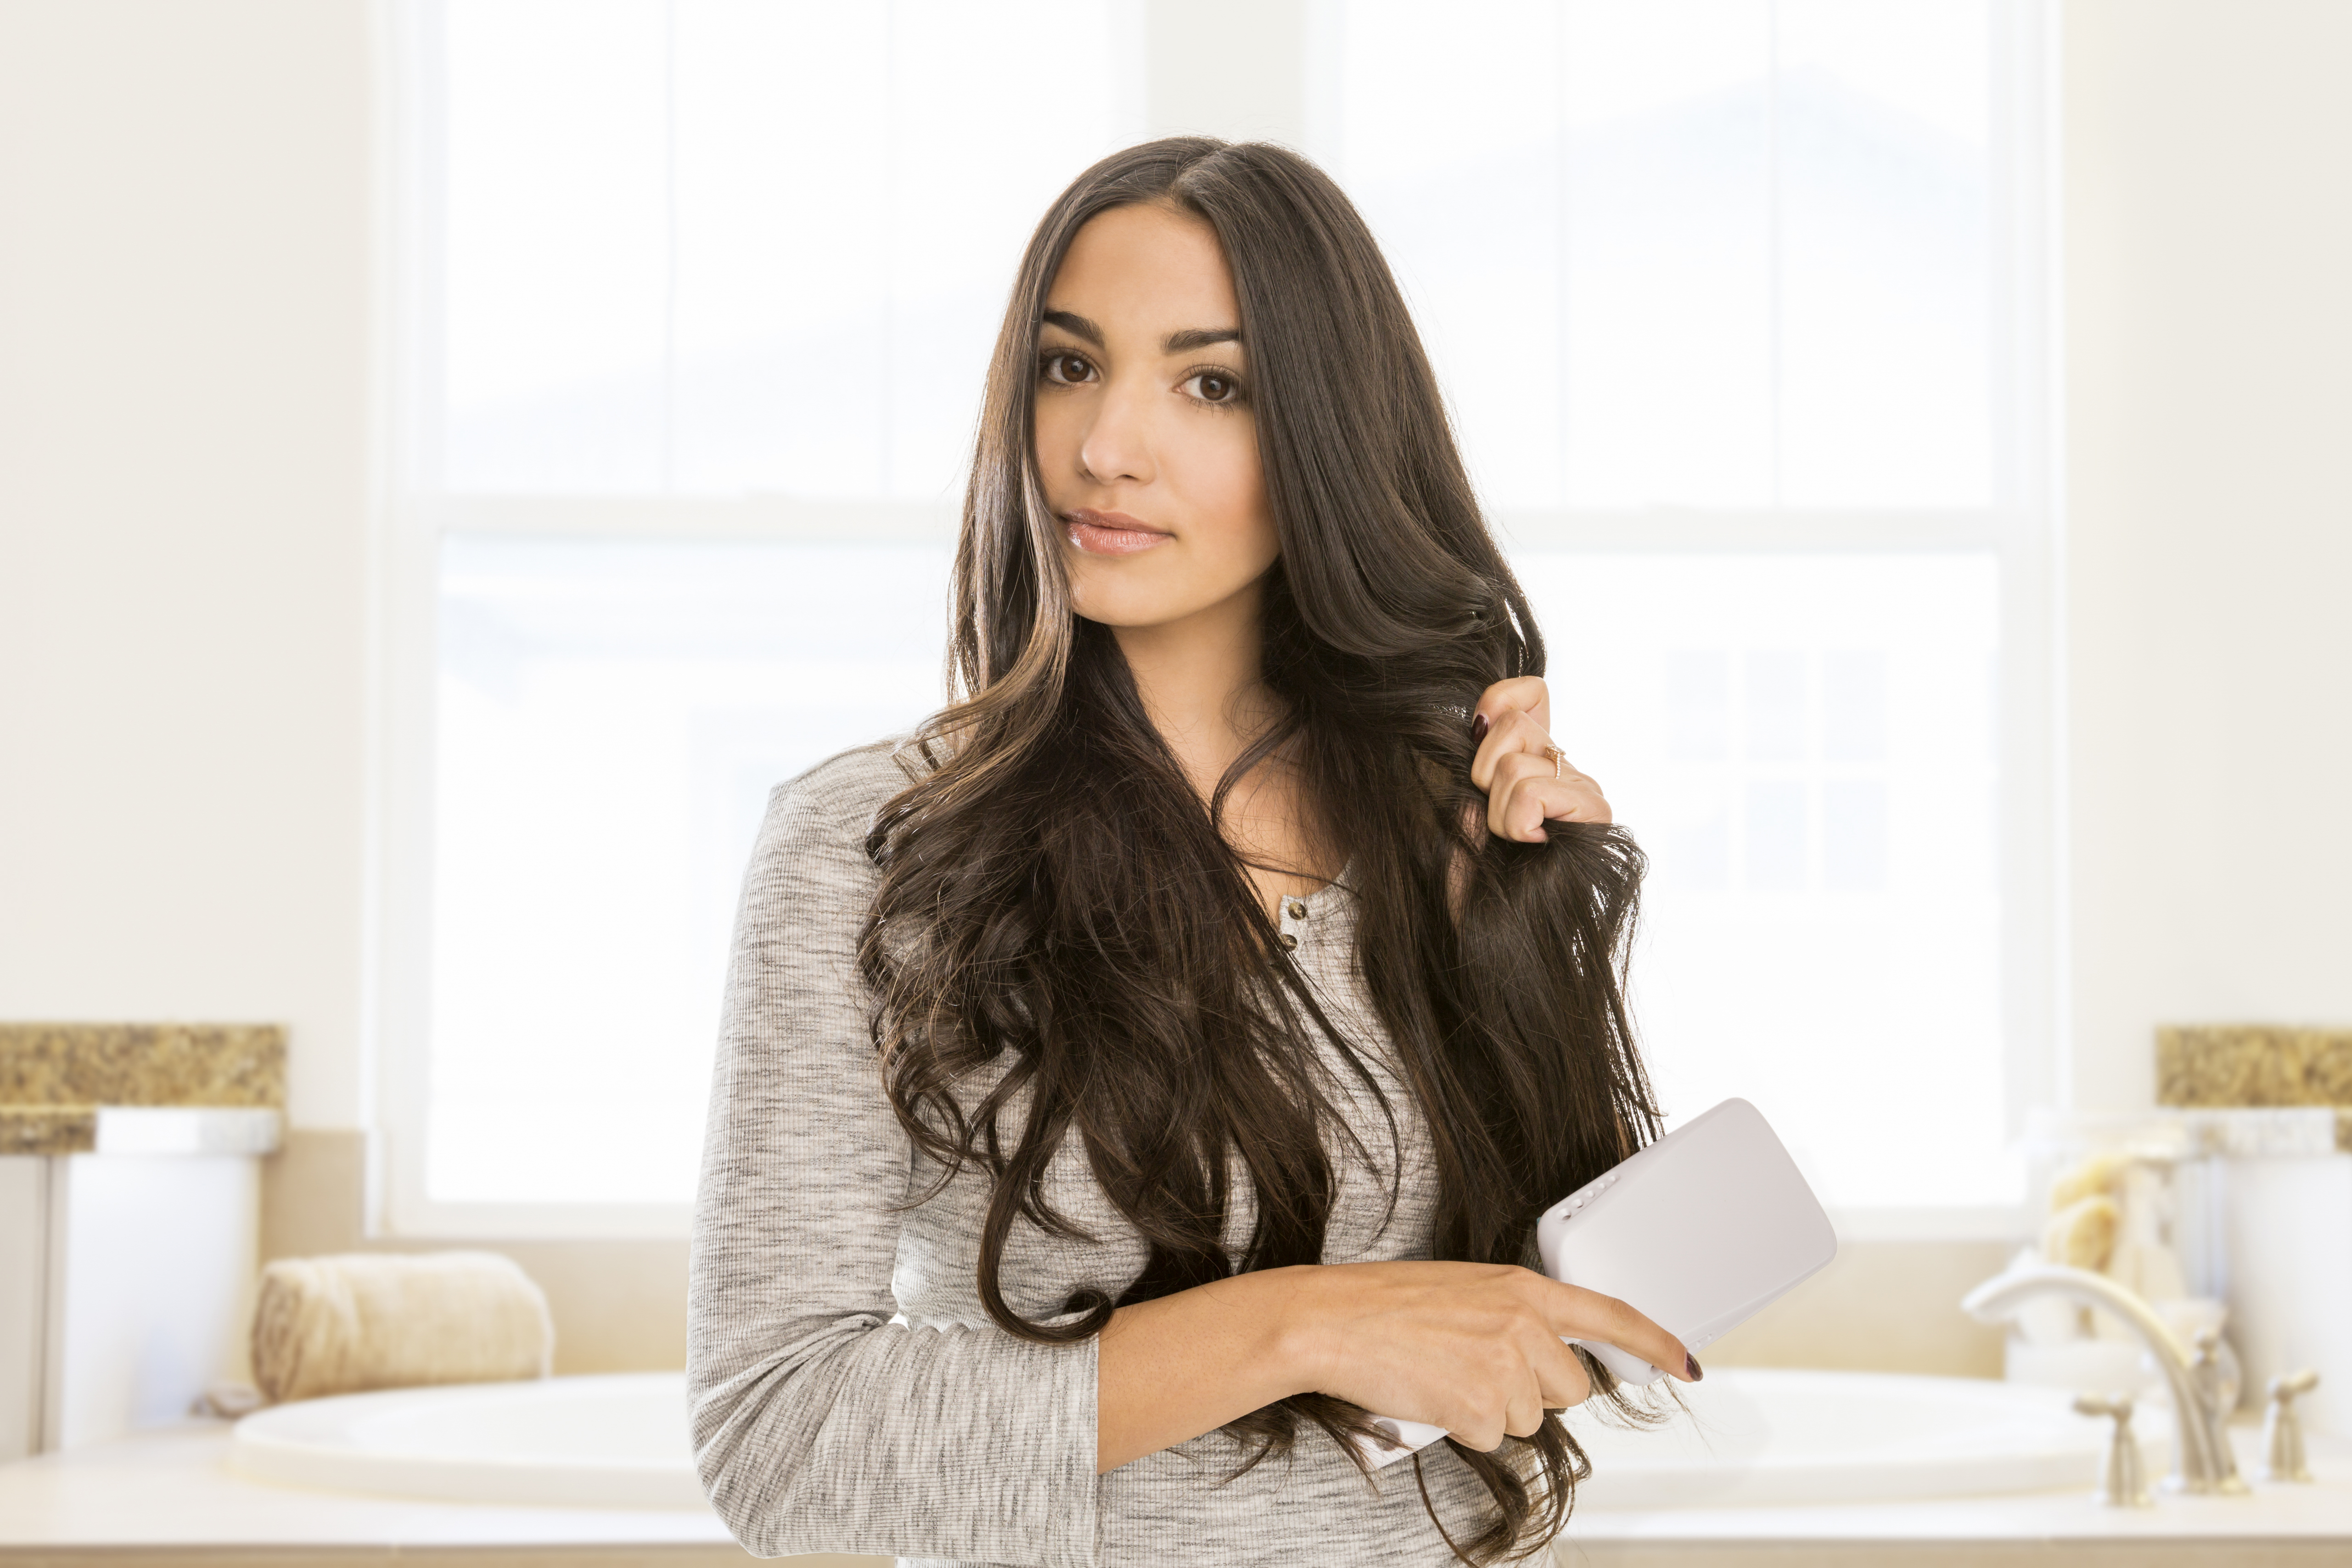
(2022, 531)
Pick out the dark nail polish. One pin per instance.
(1477, 729)
(1691, 1362)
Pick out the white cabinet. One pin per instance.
(126, 1274)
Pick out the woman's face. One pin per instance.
(1144, 432)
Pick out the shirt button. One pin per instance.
(1288, 942)
(1297, 909)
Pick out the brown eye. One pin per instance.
(1211, 387)
(1067, 368)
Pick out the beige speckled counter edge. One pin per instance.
(62, 1066)
(2257, 1064)
(48, 1129)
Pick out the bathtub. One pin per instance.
(1752, 1435)
(615, 1441)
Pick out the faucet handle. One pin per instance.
(2122, 1482)
(2293, 1383)
(2283, 1452)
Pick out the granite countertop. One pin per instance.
(2216, 1064)
(55, 1079)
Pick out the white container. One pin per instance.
(2287, 1264)
(126, 1274)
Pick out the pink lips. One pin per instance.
(1111, 532)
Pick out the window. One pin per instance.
(701, 293)
(1737, 304)
(611, 713)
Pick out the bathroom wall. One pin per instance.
(185, 319)
(186, 292)
(2208, 557)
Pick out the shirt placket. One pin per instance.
(1294, 923)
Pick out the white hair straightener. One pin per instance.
(1698, 1231)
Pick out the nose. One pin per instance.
(1118, 446)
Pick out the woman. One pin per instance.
(1183, 1030)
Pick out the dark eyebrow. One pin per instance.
(1199, 338)
(1077, 326)
(1174, 343)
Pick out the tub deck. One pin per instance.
(168, 1497)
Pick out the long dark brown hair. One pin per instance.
(1060, 921)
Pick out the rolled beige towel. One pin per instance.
(390, 1319)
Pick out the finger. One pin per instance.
(1513, 731)
(1479, 1423)
(1519, 808)
(1560, 1369)
(1522, 694)
(1579, 1314)
(1525, 1413)
(1529, 790)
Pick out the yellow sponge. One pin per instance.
(2083, 1234)
(2100, 1176)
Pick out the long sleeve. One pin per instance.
(819, 1424)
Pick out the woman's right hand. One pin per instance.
(1471, 1347)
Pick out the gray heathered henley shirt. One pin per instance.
(820, 1423)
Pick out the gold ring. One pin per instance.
(1559, 760)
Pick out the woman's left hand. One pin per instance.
(1527, 781)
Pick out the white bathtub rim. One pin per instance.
(1769, 1483)
(308, 1444)
(2049, 1449)
(317, 1444)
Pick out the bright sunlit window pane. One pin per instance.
(1705, 253)
(1804, 746)
(553, 245)
(611, 719)
(1464, 192)
(1885, 248)
(1667, 269)
(727, 246)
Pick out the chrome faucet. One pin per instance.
(2201, 1458)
